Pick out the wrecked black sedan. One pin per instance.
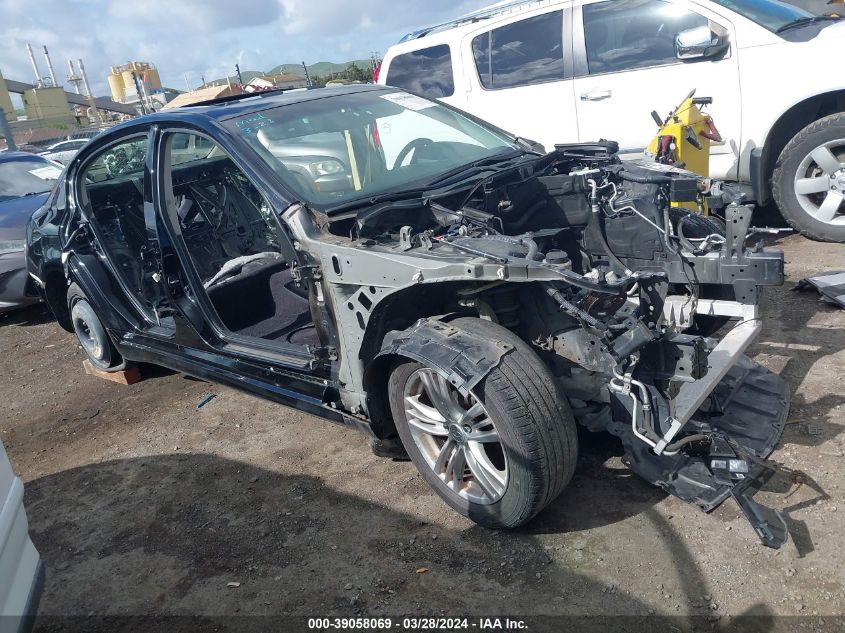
(393, 264)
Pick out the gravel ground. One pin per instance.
(141, 504)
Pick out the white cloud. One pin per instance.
(206, 37)
(194, 15)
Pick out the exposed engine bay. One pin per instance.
(616, 289)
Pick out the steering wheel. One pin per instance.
(416, 143)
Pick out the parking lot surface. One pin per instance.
(140, 503)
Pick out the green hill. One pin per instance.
(318, 69)
(248, 75)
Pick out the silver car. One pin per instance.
(64, 151)
(21, 569)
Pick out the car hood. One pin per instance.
(834, 30)
(15, 213)
(819, 34)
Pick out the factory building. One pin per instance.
(138, 83)
(6, 100)
(49, 105)
(125, 82)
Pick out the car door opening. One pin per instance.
(234, 244)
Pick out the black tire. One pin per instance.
(815, 135)
(534, 423)
(91, 333)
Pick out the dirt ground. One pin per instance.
(142, 504)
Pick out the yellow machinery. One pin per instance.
(684, 137)
(683, 140)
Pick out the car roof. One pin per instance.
(8, 156)
(249, 103)
(469, 21)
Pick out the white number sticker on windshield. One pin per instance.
(411, 102)
(46, 173)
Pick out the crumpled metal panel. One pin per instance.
(831, 285)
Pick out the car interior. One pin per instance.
(114, 194)
(227, 229)
(234, 244)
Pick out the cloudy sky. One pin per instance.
(206, 37)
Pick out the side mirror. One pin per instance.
(700, 43)
(530, 146)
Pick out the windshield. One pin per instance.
(26, 176)
(347, 146)
(770, 14)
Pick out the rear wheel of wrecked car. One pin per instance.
(91, 333)
(498, 455)
(809, 180)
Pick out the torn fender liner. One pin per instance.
(831, 285)
(745, 417)
(768, 523)
(462, 357)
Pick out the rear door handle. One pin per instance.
(596, 94)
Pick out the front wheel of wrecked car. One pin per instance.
(499, 455)
(91, 333)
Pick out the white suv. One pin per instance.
(579, 70)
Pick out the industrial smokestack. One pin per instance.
(89, 94)
(72, 78)
(34, 65)
(50, 67)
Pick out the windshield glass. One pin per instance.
(26, 176)
(347, 146)
(770, 14)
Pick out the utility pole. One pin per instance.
(88, 90)
(50, 67)
(7, 132)
(238, 73)
(307, 76)
(140, 91)
(73, 77)
(34, 66)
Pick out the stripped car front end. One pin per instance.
(583, 257)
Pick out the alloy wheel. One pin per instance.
(820, 183)
(456, 437)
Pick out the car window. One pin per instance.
(770, 14)
(221, 215)
(627, 34)
(427, 71)
(69, 145)
(180, 141)
(333, 150)
(520, 54)
(28, 176)
(190, 147)
(119, 160)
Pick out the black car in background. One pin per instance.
(388, 262)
